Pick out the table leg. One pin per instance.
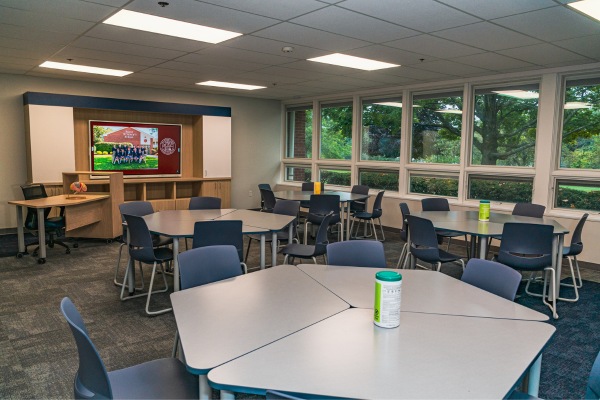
(41, 235)
(531, 382)
(557, 249)
(290, 233)
(204, 389)
(347, 223)
(175, 264)
(262, 251)
(482, 247)
(20, 231)
(131, 270)
(227, 395)
(273, 249)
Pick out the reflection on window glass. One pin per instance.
(380, 137)
(578, 196)
(435, 185)
(299, 132)
(339, 177)
(510, 190)
(436, 128)
(504, 126)
(336, 132)
(379, 179)
(581, 125)
(295, 173)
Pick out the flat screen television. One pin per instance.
(136, 149)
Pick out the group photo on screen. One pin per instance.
(135, 148)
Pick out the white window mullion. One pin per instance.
(405, 141)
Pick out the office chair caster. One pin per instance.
(68, 251)
(41, 261)
(20, 255)
(75, 245)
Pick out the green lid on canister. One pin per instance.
(388, 276)
(484, 201)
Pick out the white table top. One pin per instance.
(429, 292)
(299, 195)
(429, 356)
(270, 221)
(227, 319)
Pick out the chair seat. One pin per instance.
(448, 257)
(446, 233)
(165, 378)
(363, 215)
(161, 254)
(300, 250)
(54, 223)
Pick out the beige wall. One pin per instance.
(256, 138)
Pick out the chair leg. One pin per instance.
(381, 227)
(248, 249)
(374, 230)
(552, 291)
(305, 232)
(574, 285)
(314, 260)
(439, 266)
(175, 344)
(402, 255)
(285, 259)
(116, 281)
(158, 291)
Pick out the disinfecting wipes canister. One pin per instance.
(388, 288)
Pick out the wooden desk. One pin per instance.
(429, 356)
(79, 212)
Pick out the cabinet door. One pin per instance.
(220, 189)
(216, 147)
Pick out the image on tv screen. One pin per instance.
(135, 148)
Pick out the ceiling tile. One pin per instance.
(544, 54)
(83, 10)
(453, 68)
(200, 59)
(77, 54)
(270, 46)
(87, 42)
(422, 15)
(556, 23)
(487, 36)
(282, 10)
(296, 34)
(496, 9)
(417, 73)
(50, 22)
(380, 77)
(112, 60)
(348, 23)
(492, 61)
(39, 54)
(389, 54)
(294, 73)
(434, 46)
(588, 46)
(33, 35)
(245, 55)
(267, 77)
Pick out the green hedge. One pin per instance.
(380, 180)
(437, 186)
(578, 199)
(107, 146)
(341, 178)
(506, 191)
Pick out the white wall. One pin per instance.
(256, 133)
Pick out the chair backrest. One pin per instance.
(593, 386)
(32, 192)
(310, 186)
(377, 209)
(323, 204)
(214, 233)
(268, 199)
(576, 246)
(357, 253)
(321, 237)
(288, 207)
(526, 246)
(359, 205)
(435, 204)
(492, 277)
(91, 380)
(140, 239)
(529, 210)
(423, 239)
(208, 264)
(205, 203)
(405, 212)
(137, 208)
(264, 186)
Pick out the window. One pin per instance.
(577, 195)
(439, 184)
(505, 189)
(580, 145)
(299, 132)
(504, 126)
(436, 128)
(379, 179)
(298, 173)
(335, 176)
(336, 131)
(380, 136)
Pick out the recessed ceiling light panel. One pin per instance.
(588, 7)
(230, 85)
(84, 68)
(170, 27)
(344, 60)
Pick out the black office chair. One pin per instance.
(528, 248)
(320, 206)
(359, 205)
(405, 211)
(492, 277)
(376, 213)
(356, 253)
(265, 186)
(218, 233)
(424, 243)
(205, 203)
(309, 187)
(441, 204)
(54, 226)
(571, 252)
(305, 251)
(524, 210)
(268, 200)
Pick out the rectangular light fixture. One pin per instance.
(519, 94)
(230, 85)
(170, 27)
(84, 68)
(588, 7)
(574, 105)
(390, 103)
(344, 60)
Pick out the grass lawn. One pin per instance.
(104, 163)
(586, 189)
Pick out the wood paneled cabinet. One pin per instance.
(218, 188)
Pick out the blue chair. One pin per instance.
(268, 200)
(214, 233)
(359, 205)
(524, 210)
(405, 211)
(205, 203)
(261, 187)
(424, 243)
(365, 216)
(310, 187)
(441, 204)
(166, 378)
(528, 248)
(141, 249)
(492, 277)
(320, 206)
(306, 251)
(571, 252)
(138, 208)
(282, 207)
(356, 253)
